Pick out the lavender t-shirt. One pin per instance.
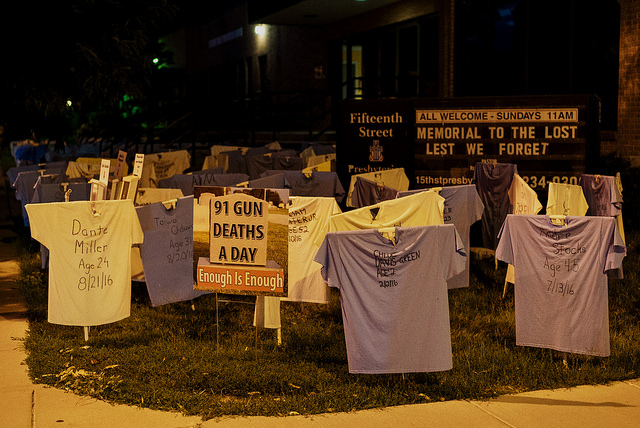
(561, 281)
(167, 252)
(395, 306)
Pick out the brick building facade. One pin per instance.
(627, 139)
(311, 51)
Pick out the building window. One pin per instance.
(390, 62)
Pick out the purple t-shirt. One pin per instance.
(602, 195)
(561, 281)
(368, 192)
(395, 306)
(318, 183)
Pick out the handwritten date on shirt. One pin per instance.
(565, 288)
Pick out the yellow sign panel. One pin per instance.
(497, 115)
(238, 230)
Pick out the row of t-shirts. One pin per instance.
(26, 179)
(283, 160)
(317, 153)
(394, 178)
(504, 192)
(218, 158)
(561, 280)
(209, 177)
(158, 166)
(255, 160)
(462, 208)
(393, 294)
(321, 162)
(276, 181)
(90, 258)
(167, 250)
(316, 183)
(271, 156)
(58, 167)
(89, 168)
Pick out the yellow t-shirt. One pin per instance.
(422, 209)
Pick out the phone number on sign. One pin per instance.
(541, 181)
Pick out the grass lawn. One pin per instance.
(174, 358)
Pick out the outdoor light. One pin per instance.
(69, 103)
(260, 29)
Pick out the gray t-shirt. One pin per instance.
(393, 294)
(561, 281)
(167, 251)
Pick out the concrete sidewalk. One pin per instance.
(26, 405)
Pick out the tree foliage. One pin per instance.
(89, 52)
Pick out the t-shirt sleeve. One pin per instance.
(41, 222)
(504, 250)
(184, 162)
(335, 208)
(583, 206)
(478, 206)
(616, 250)
(459, 257)
(137, 235)
(324, 256)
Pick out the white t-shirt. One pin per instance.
(561, 299)
(395, 306)
(308, 224)
(90, 258)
